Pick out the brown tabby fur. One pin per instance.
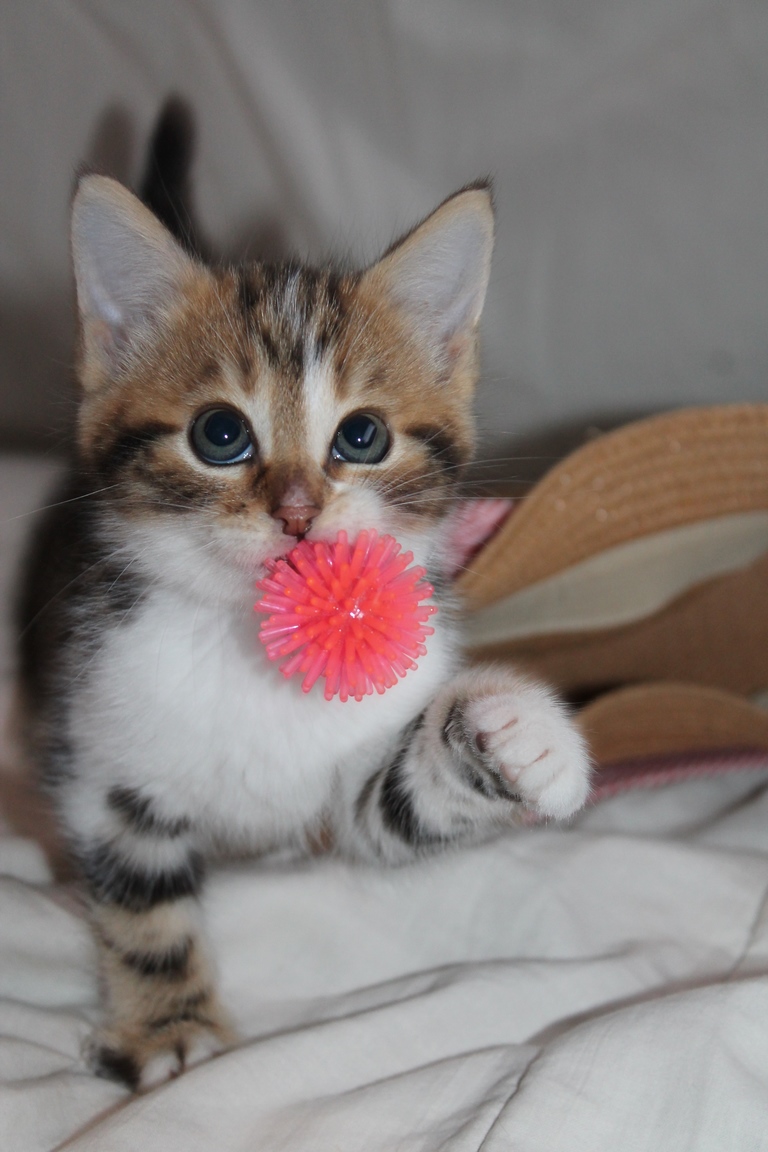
(233, 338)
(153, 712)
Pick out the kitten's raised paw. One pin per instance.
(141, 1058)
(527, 741)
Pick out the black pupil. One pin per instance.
(359, 432)
(223, 429)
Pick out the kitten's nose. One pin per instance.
(296, 518)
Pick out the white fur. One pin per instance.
(167, 1065)
(183, 703)
(322, 410)
(536, 747)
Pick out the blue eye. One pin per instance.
(361, 439)
(221, 436)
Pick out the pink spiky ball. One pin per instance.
(351, 612)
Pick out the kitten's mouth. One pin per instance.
(258, 563)
(258, 560)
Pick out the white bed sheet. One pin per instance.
(594, 988)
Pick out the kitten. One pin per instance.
(226, 413)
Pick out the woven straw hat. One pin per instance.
(649, 476)
(642, 560)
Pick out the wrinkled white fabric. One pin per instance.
(597, 988)
(558, 990)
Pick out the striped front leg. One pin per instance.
(161, 1008)
(492, 744)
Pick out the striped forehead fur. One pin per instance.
(294, 312)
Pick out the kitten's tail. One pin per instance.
(166, 184)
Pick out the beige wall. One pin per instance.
(627, 140)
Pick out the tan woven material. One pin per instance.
(649, 476)
(667, 718)
(716, 633)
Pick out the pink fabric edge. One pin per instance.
(657, 771)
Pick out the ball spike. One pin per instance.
(351, 613)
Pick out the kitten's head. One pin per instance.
(227, 412)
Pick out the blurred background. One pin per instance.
(628, 142)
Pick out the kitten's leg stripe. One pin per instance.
(477, 769)
(173, 964)
(160, 999)
(188, 1009)
(113, 880)
(491, 744)
(485, 780)
(395, 802)
(138, 814)
(112, 1064)
(396, 805)
(385, 810)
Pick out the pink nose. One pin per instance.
(296, 518)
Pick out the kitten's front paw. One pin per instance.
(526, 740)
(143, 1056)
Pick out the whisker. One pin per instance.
(102, 560)
(151, 583)
(60, 503)
(392, 486)
(237, 334)
(355, 343)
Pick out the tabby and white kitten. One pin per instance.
(226, 413)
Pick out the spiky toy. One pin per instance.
(351, 612)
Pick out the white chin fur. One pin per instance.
(216, 563)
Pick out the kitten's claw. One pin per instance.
(526, 738)
(141, 1061)
(169, 1064)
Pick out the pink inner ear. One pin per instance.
(470, 525)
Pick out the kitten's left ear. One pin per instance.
(437, 275)
(128, 272)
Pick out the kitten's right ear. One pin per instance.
(437, 275)
(128, 270)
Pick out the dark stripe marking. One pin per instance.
(111, 1064)
(248, 294)
(171, 965)
(123, 588)
(131, 442)
(367, 790)
(187, 1012)
(477, 769)
(136, 810)
(114, 881)
(454, 734)
(284, 303)
(396, 804)
(181, 491)
(365, 795)
(483, 779)
(179, 487)
(396, 801)
(440, 444)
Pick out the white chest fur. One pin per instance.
(181, 700)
